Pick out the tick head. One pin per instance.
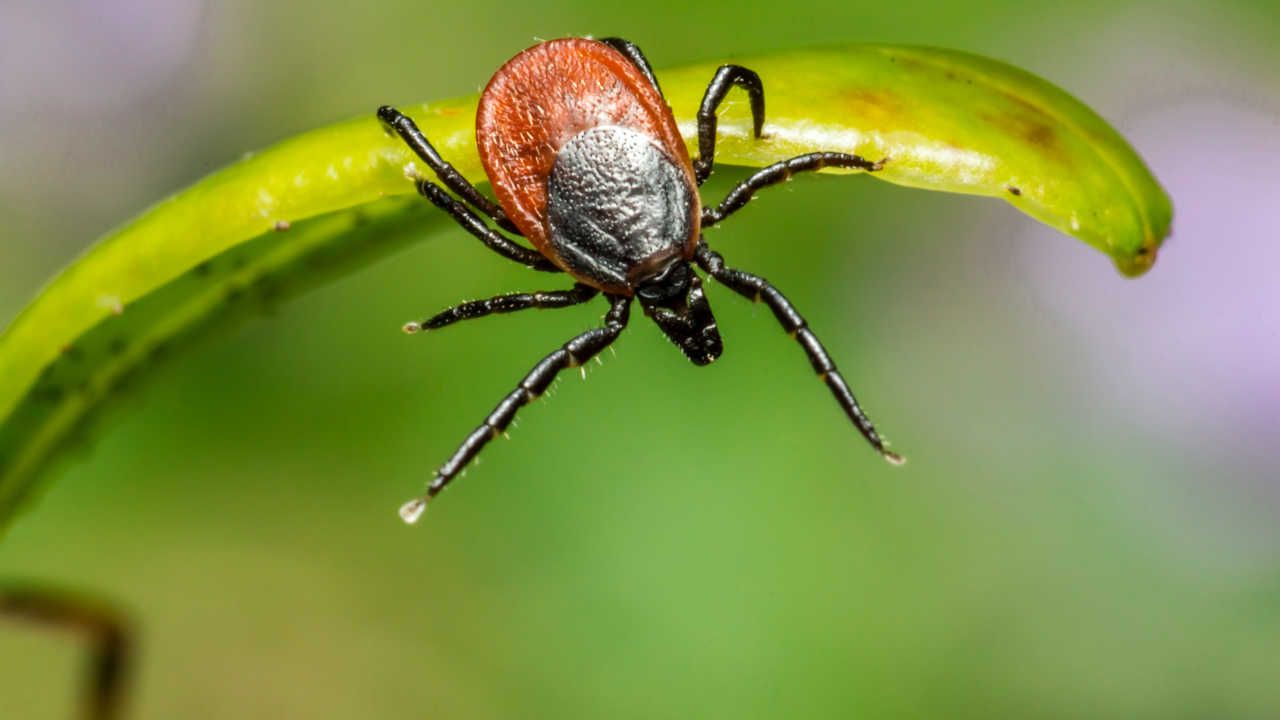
(673, 297)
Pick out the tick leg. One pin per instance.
(637, 58)
(407, 129)
(506, 304)
(492, 239)
(572, 354)
(725, 78)
(780, 172)
(756, 289)
(106, 629)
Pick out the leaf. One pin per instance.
(323, 203)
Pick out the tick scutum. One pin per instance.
(619, 209)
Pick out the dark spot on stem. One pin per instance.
(1015, 190)
(1040, 134)
(267, 289)
(124, 380)
(1032, 127)
(158, 352)
(48, 394)
(203, 269)
(876, 105)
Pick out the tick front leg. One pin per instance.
(780, 172)
(407, 129)
(543, 300)
(756, 289)
(725, 78)
(572, 354)
(494, 240)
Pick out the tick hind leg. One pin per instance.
(543, 300)
(781, 172)
(572, 354)
(757, 289)
(725, 78)
(407, 129)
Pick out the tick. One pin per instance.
(588, 166)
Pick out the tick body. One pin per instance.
(586, 159)
(588, 166)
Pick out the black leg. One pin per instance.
(493, 239)
(109, 667)
(725, 78)
(780, 172)
(572, 354)
(506, 304)
(408, 131)
(756, 289)
(637, 58)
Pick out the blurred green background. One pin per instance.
(1086, 528)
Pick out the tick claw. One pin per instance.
(412, 511)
